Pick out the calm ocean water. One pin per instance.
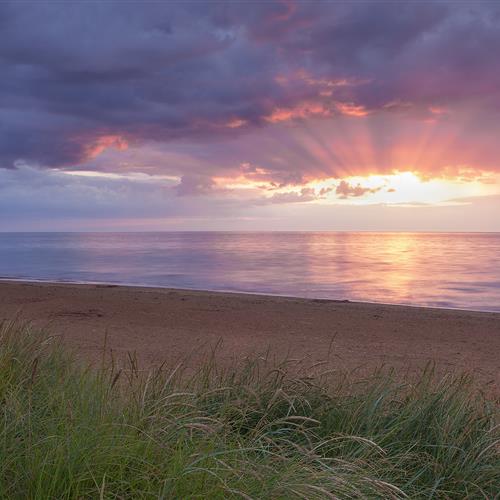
(443, 270)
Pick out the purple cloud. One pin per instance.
(204, 78)
(345, 190)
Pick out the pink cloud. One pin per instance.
(104, 142)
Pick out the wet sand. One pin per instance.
(165, 325)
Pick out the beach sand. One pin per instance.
(165, 325)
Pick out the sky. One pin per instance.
(262, 115)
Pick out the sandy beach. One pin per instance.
(164, 325)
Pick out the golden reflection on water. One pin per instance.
(388, 260)
(401, 251)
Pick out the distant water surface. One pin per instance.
(441, 270)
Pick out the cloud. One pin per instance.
(40, 199)
(41, 194)
(305, 195)
(195, 185)
(84, 79)
(345, 190)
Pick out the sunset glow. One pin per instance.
(269, 114)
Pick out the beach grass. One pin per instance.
(255, 430)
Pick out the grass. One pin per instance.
(252, 431)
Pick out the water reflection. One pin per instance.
(453, 270)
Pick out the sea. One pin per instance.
(446, 270)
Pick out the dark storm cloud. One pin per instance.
(78, 77)
(145, 71)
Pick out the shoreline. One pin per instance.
(145, 286)
(160, 324)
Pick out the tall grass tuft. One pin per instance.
(251, 431)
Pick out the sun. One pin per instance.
(406, 187)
